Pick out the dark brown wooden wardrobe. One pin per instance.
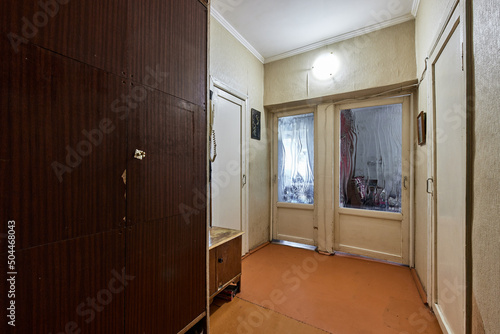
(105, 242)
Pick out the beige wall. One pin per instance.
(377, 59)
(232, 64)
(429, 17)
(486, 203)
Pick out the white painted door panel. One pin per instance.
(450, 174)
(375, 232)
(293, 214)
(228, 168)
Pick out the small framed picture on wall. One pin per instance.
(422, 128)
(255, 124)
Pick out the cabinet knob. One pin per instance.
(220, 260)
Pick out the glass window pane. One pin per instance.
(296, 159)
(370, 158)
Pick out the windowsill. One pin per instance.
(295, 206)
(371, 213)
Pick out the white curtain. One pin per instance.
(296, 159)
(371, 148)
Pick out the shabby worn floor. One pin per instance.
(292, 290)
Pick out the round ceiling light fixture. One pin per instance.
(326, 66)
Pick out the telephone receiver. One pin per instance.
(212, 139)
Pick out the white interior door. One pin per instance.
(293, 170)
(228, 170)
(449, 132)
(372, 179)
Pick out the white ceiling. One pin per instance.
(275, 29)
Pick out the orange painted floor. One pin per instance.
(242, 317)
(336, 294)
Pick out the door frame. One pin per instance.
(325, 180)
(274, 170)
(245, 150)
(456, 15)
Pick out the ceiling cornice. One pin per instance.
(414, 9)
(235, 33)
(343, 37)
(317, 45)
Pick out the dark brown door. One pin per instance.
(166, 248)
(169, 37)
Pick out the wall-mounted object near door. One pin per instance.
(421, 127)
(255, 124)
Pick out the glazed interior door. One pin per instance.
(228, 178)
(371, 201)
(293, 210)
(450, 180)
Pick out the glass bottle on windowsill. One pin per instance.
(392, 200)
(383, 199)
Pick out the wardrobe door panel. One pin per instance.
(161, 184)
(63, 149)
(73, 286)
(92, 32)
(169, 38)
(167, 257)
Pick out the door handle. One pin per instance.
(139, 155)
(432, 180)
(404, 182)
(244, 179)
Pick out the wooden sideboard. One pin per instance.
(225, 259)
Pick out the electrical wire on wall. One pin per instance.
(213, 144)
(423, 72)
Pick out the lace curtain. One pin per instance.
(370, 162)
(296, 159)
